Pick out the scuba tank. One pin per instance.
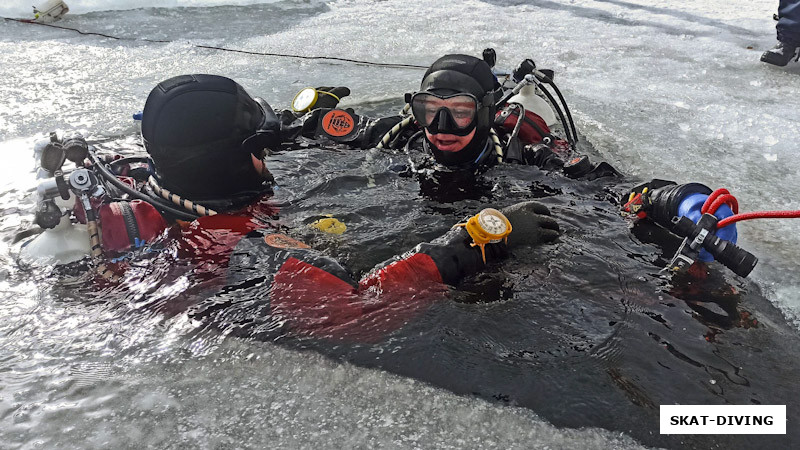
(530, 95)
(530, 99)
(63, 244)
(70, 205)
(527, 96)
(62, 241)
(523, 113)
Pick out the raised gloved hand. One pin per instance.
(329, 97)
(531, 224)
(314, 102)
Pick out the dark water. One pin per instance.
(584, 331)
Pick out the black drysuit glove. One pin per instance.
(531, 224)
(455, 258)
(329, 97)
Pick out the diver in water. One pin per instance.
(457, 125)
(463, 119)
(207, 140)
(456, 109)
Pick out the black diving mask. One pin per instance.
(267, 135)
(449, 114)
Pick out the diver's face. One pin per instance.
(449, 142)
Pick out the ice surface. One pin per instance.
(666, 89)
(22, 8)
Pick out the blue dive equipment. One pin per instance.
(690, 207)
(683, 210)
(700, 236)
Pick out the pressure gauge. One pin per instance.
(304, 100)
(494, 224)
(487, 227)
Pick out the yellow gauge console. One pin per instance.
(487, 227)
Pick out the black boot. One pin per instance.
(781, 54)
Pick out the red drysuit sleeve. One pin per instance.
(316, 302)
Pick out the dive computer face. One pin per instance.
(493, 222)
(304, 100)
(489, 226)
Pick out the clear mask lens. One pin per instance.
(462, 108)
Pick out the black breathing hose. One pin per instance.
(549, 81)
(413, 138)
(520, 119)
(156, 202)
(567, 129)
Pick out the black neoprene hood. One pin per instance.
(454, 74)
(193, 128)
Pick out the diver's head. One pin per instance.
(455, 106)
(205, 134)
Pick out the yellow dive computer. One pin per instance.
(487, 227)
(304, 100)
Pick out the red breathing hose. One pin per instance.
(723, 197)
